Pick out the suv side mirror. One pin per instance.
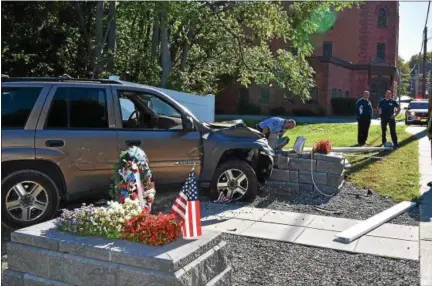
(189, 124)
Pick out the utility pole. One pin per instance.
(424, 62)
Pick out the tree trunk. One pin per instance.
(186, 48)
(155, 37)
(165, 55)
(112, 37)
(98, 36)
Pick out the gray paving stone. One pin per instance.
(396, 231)
(301, 164)
(280, 175)
(273, 231)
(319, 177)
(426, 263)
(288, 218)
(233, 226)
(22, 257)
(245, 213)
(388, 247)
(294, 176)
(329, 167)
(130, 275)
(332, 223)
(323, 238)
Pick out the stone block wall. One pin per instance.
(41, 255)
(295, 171)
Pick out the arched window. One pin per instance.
(382, 18)
(347, 93)
(339, 93)
(334, 92)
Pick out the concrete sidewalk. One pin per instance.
(425, 168)
(388, 240)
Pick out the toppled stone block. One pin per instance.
(298, 164)
(280, 175)
(282, 162)
(318, 177)
(329, 167)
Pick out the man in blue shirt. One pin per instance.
(275, 125)
(386, 111)
(364, 116)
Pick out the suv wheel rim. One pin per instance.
(26, 201)
(233, 183)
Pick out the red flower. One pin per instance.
(122, 199)
(134, 196)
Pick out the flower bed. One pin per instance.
(126, 221)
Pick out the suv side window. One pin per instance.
(144, 111)
(17, 104)
(77, 107)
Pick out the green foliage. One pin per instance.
(189, 46)
(343, 106)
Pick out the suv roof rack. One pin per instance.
(64, 78)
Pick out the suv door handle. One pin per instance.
(54, 143)
(133, 142)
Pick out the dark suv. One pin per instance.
(61, 138)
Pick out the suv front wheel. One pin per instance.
(28, 197)
(236, 180)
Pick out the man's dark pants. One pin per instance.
(363, 130)
(392, 124)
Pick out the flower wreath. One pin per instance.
(131, 168)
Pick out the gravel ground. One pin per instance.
(279, 263)
(351, 202)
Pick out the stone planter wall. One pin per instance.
(41, 255)
(294, 171)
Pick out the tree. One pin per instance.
(405, 77)
(191, 46)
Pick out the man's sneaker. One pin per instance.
(395, 146)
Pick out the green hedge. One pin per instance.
(343, 106)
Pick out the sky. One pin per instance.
(412, 17)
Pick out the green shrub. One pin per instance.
(301, 111)
(247, 108)
(343, 106)
(277, 111)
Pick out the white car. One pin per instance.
(417, 112)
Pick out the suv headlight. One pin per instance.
(411, 113)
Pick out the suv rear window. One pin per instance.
(77, 107)
(17, 104)
(418, 105)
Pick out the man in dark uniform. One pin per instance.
(386, 111)
(364, 116)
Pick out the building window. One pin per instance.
(347, 93)
(382, 18)
(327, 49)
(339, 93)
(264, 95)
(380, 51)
(333, 92)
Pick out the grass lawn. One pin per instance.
(396, 175)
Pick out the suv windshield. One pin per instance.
(418, 105)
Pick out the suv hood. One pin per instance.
(235, 128)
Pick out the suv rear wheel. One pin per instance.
(236, 180)
(28, 197)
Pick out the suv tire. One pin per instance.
(243, 178)
(32, 196)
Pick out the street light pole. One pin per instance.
(424, 62)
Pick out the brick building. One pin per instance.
(359, 52)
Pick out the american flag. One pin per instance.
(187, 207)
(222, 199)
